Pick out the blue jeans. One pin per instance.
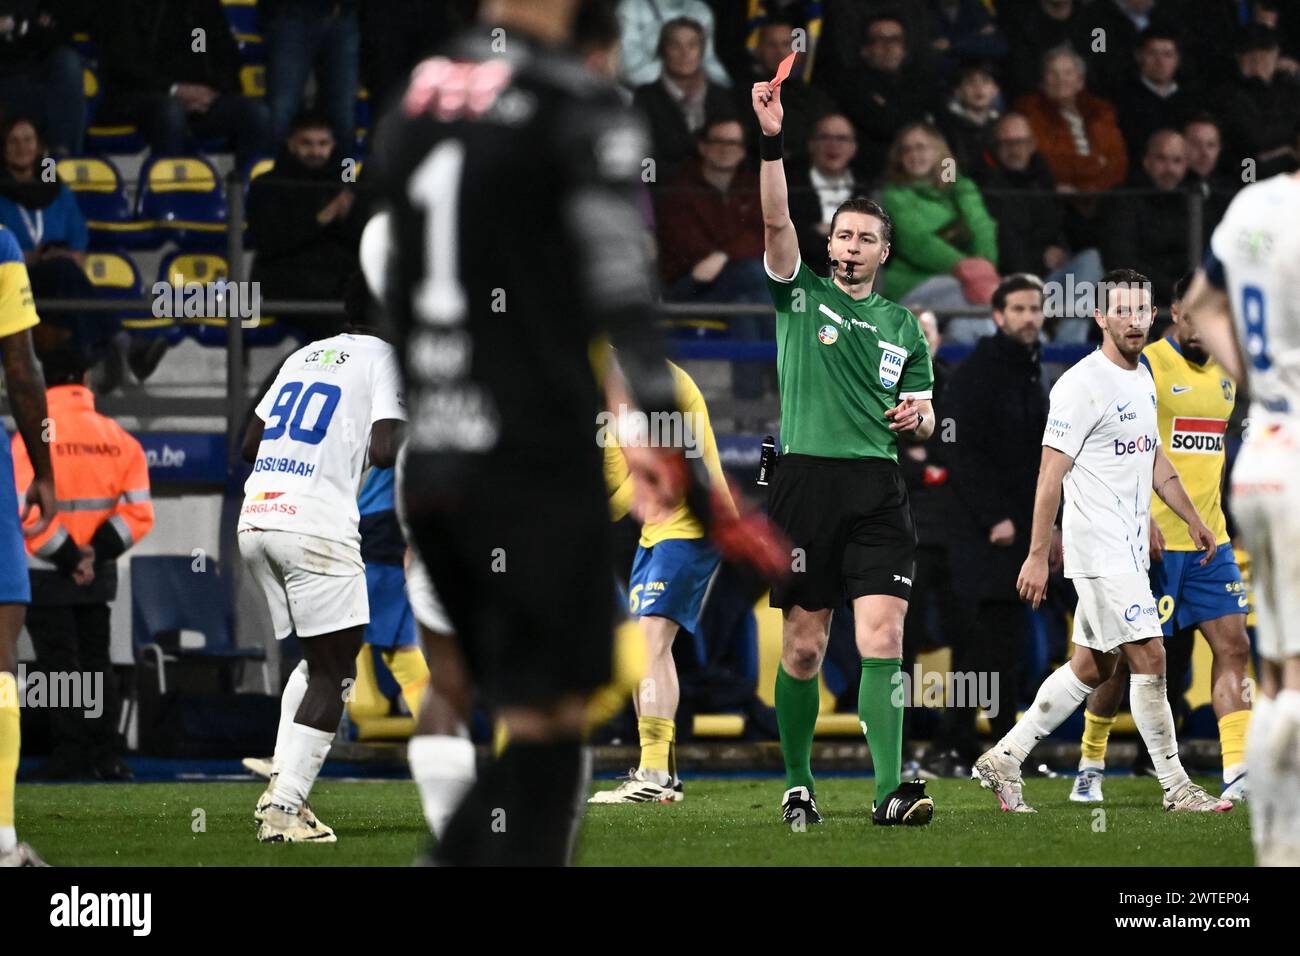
(54, 94)
(741, 280)
(304, 34)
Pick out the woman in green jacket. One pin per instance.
(945, 246)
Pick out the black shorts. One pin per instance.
(852, 521)
(524, 570)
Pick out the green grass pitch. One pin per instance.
(721, 822)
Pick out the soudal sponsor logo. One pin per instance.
(1137, 446)
(1198, 436)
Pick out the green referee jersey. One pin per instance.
(841, 363)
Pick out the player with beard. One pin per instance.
(855, 376)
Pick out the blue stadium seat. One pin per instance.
(100, 192)
(168, 595)
(180, 268)
(184, 199)
(242, 15)
(101, 138)
(114, 275)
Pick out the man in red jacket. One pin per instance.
(711, 236)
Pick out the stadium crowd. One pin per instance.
(1049, 137)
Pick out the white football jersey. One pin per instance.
(1258, 244)
(1104, 417)
(316, 439)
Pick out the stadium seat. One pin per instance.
(102, 138)
(168, 598)
(252, 79)
(180, 268)
(242, 15)
(115, 275)
(184, 199)
(97, 186)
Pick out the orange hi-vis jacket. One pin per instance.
(101, 481)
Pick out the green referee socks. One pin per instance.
(797, 703)
(880, 709)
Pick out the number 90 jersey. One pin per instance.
(316, 437)
(1255, 254)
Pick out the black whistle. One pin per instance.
(766, 461)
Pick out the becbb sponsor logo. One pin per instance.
(1198, 436)
(1137, 446)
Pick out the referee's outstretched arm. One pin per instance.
(780, 242)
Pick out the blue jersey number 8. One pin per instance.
(291, 406)
(1252, 313)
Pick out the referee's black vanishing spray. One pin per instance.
(766, 461)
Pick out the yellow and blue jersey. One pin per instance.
(17, 312)
(680, 524)
(383, 549)
(17, 306)
(1194, 402)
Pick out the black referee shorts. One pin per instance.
(524, 569)
(851, 523)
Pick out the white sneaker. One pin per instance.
(1189, 798)
(21, 855)
(1087, 786)
(258, 766)
(1001, 774)
(1238, 790)
(640, 786)
(264, 803)
(281, 826)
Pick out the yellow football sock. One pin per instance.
(365, 703)
(500, 737)
(9, 744)
(1232, 737)
(656, 739)
(1096, 733)
(411, 673)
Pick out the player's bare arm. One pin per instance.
(779, 240)
(1170, 488)
(26, 387)
(1208, 311)
(913, 417)
(252, 439)
(385, 440)
(1032, 583)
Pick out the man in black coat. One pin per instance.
(302, 224)
(1154, 99)
(172, 67)
(998, 407)
(818, 186)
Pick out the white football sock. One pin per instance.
(300, 761)
(1263, 774)
(294, 689)
(1058, 697)
(1155, 722)
(8, 839)
(443, 768)
(1285, 739)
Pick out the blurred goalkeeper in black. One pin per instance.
(511, 173)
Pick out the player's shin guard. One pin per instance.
(880, 711)
(1155, 722)
(1057, 698)
(443, 768)
(797, 704)
(1263, 777)
(304, 752)
(9, 746)
(294, 689)
(1096, 735)
(523, 811)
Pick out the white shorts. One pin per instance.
(1114, 610)
(425, 603)
(313, 585)
(1266, 506)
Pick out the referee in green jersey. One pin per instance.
(855, 374)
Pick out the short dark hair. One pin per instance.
(868, 207)
(596, 26)
(1203, 117)
(889, 14)
(64, 365)
(673, 24)
(1158, 33)
(1018, 282)
(310, 119)
(973, 68)
(1182, 285)
(1254, 38)
(1121, 277)
(717, 118)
